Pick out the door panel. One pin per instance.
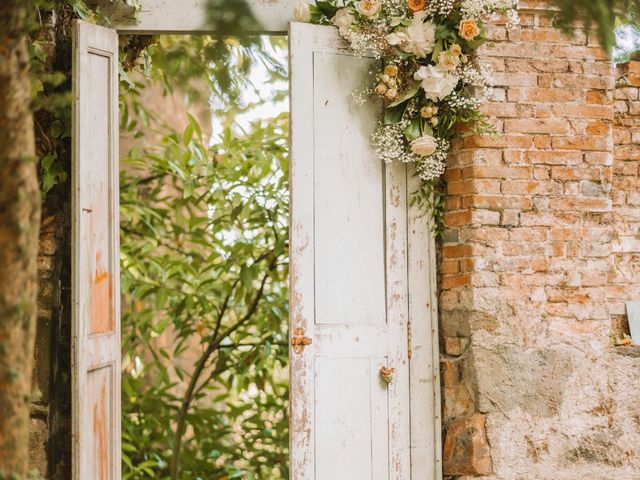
(349, 286)
(348, 187)
(353, 438)
(95, 269)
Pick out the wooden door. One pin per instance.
(95, 270)
(350, 289)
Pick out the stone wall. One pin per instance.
(540, 253)
(50, 435)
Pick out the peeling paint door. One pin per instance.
(349, 275)
(95, 262)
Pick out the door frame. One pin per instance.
(159, 17)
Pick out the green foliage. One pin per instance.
(603, 15)
(204, 233)
(51, 91)
(430, 197)
(50, 45)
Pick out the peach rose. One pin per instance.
(416, 5)
(391, 70)
(448, 61)
(455, 49)
(468, 29)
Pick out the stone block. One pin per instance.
(466, 449)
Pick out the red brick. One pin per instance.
(532, 125)
(453, 281)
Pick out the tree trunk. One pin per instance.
(19, 226)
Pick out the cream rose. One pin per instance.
(455, 49)
(435, 82)
(418, 38)
(343, 18)
(424, 146)
(301, 11)
(369, 8)
(468, 29)
(448, 61)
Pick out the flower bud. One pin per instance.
(392, 93)
(381, 89)
(425, 112)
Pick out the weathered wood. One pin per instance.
(190, 16)
(633, 316)
(353, 291)
(426, 439)
(95, 246)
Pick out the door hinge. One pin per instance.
(299, 340)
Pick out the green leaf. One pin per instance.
(326, 8)
(393, 114)
(408, 93)
(187, 135)
(439, 47)
(413, 130)
(57, 128)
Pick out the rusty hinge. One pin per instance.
(299, 341)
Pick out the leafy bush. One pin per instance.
(204, 255)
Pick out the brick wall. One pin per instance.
(540, 253)
(625, 278)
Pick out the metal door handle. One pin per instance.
(387, 374)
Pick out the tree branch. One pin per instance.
(201, 363)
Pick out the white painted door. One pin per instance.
(95, 269)
(350, 288)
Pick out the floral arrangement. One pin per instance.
(430, 79)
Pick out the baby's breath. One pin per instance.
(426, 94)
(390, 144)
(432, 166)
(440, 7)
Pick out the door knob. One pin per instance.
(387, 374)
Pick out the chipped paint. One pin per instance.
(101, 298)
(101, 458)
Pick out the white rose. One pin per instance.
(448, 61)
(418, 38)
(424, 146)
(369, 8)
(343, 18)
(396, 38)
(422, 36)
(301, 12)
(435, 82)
